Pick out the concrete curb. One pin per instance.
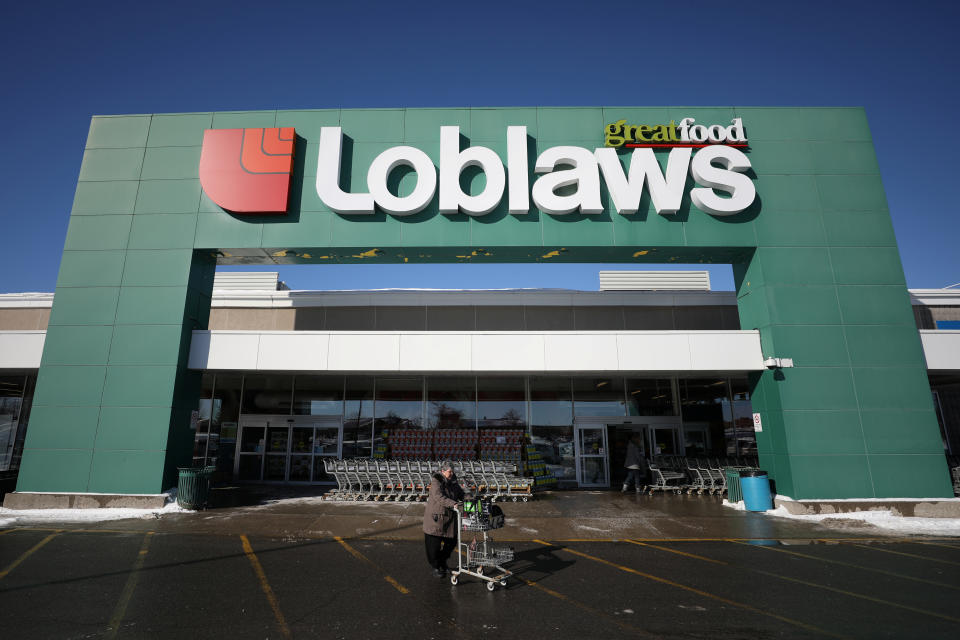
(907, 508)
(29, 500)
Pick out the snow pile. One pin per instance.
(12, 517)
(880, 519)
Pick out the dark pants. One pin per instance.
(439, 549)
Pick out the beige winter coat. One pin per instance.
(439, 518)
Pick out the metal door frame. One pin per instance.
(578, 455)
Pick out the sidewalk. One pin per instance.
(300, 513)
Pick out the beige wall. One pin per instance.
(252, 319)
(24, 319)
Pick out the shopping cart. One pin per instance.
(479, 557)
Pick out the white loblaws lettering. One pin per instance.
(666, 194)
(328, 177)
(730, 179)
(452, 163)
(518, 198)
(389, 160)
(584, 175)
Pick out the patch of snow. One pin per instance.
(586, 528)
(738, 506)
(789, 499)
(880, 519)
(13, 517)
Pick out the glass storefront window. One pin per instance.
(501, 403)
(205, 410)
(551, 426)
(451, 403)
(741, 438)
(253, 440)
(224, 416)
(550, 402)
(267, 395)
(705, 406)
(11, 401)
(650, 397)
(358, 418)
(598, 397)
(398, 403)
(556, 447)
(318, 395)
(202, 424)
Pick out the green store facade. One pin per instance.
(817, 272)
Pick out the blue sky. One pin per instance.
(61, 62)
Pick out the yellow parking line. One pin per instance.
(26, 554)
(587, 608)
(265, 586)
(705, 594)
(903, 553)
(955, 547)
(359, 556)
(851, 565)
(679, 553)
(852, 594)
(114, 625)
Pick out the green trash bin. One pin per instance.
(734, 494)
(193, 487)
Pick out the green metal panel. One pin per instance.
(815, 261)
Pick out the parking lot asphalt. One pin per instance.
(121, 584)
(586, 565)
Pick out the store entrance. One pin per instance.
(592, 452)
(288, 449)
(658, 437)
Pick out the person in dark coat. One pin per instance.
(635, 463)
(439, 519)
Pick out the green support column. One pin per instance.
(854, 417)
(114, 395)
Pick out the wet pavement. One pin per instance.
(560, 515)
(587, 565)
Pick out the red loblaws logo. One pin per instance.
(248, 170)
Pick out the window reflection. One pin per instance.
(598, 396)
(224, 416)
(451, 403)
(741, 440)
(501, 403)
(358, 417)
(555, 446)
(706, 415)
(651, 397)
(551, 428)
(318, 395)
(398, 403)
(263, 395)
(11, 401)
(550, 401)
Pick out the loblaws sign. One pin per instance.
(259, 162)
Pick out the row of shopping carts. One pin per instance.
(679, 474)
(365, 479)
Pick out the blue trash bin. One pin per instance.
(755, 487)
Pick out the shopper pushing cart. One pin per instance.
(439, 518)
(477, 556)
